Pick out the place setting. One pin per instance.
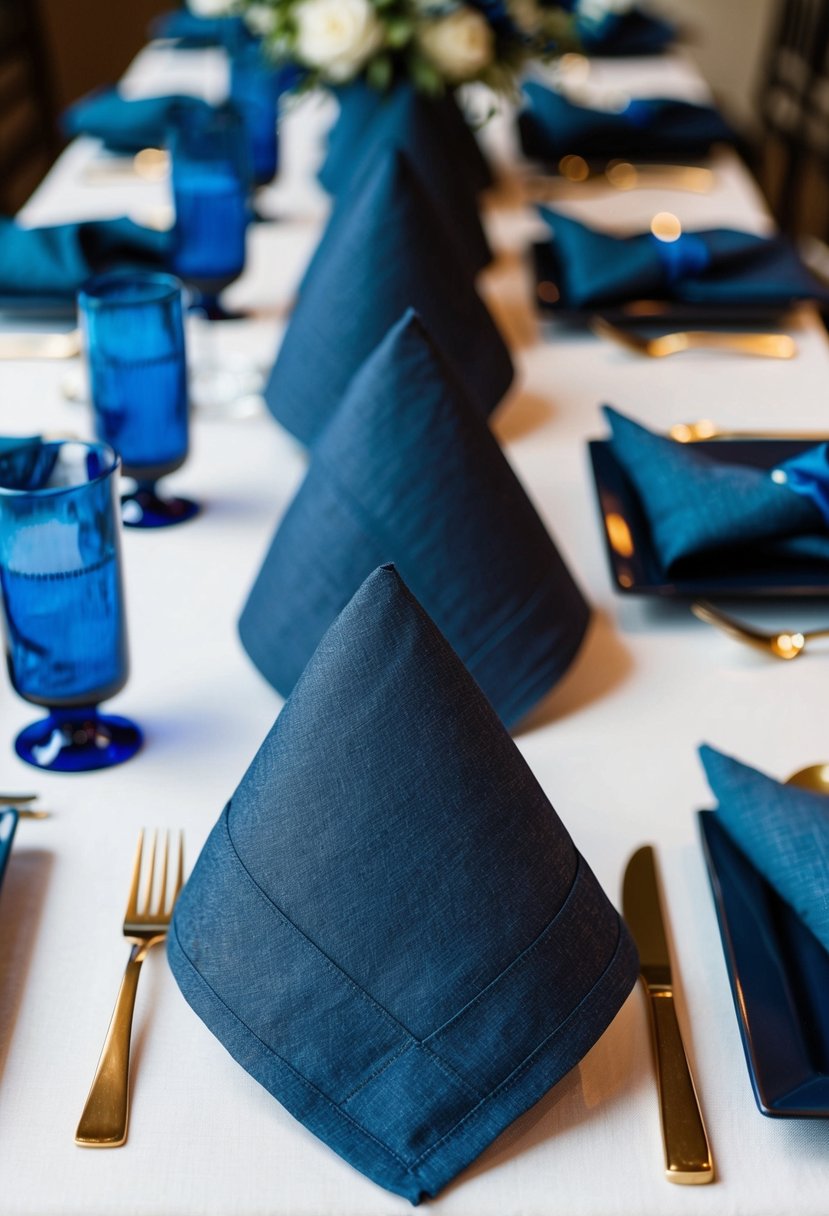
(435, 912)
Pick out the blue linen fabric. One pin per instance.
(384, 250)
(56, 261)
(717, 266)
(127, 124)
(416, 124)
(552, 126)
(408, 471)
(191, 30)
(783, 830)
(696, 505)
(389, 927)
(628, 33)
(360, 105)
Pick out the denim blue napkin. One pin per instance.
(193, 31)
(125, 124)
(628, 33)
(384, 250)
(408, 471)
(551, 126)
(389, 927)
(55, 261)
(417, 125)
(696, 505)
(360, 105)
(783, 830)
(718, 266)
(8, 827)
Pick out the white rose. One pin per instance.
(210, 8)
(337, 36)
(459, 45)
(260, 19)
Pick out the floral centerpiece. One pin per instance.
(437, 44)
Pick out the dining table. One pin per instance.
(614, 745)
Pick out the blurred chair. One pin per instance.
(29, 138)
(793, 161)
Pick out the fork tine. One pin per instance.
(162, 882)
(149, 878)
(132, 901)
(179, 883)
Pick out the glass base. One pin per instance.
(78, 741)
(211, 308)
(144, 508)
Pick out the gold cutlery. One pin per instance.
(21, 804)
(786, 644)
(40, 346)
(621, 175)
(687, 1152)
(815, 777)
(105, 1116)
(768, 346)
(704, 429)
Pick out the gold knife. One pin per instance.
(687, 1152)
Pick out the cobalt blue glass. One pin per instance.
(211, 179)
(255, 88)
(63, 603)
(134, 333)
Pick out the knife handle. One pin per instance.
(687, 1152)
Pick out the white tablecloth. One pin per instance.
(613, 747)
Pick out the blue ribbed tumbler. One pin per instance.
(132, 322)
(211, 183)
(255, 89)
(63, 605)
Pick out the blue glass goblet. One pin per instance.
(211, 180)
(255, 89)
(132, 322)
(63, 606)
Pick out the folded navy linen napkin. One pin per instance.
(384, 250)
(384, 116)
(389, 927)
(127, 124)
(783, 830)
(696, 505)
(626, 33)
(652, 128)
(55, 261)
(8, 827)
(718, 266)
(416, 124)
(408, 471)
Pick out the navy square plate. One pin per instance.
(779, 975)
(547, 278)
(748, 571)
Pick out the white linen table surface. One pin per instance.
(613, 747)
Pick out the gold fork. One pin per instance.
(769, 346)
(106, 1113)
(785, 644)
(36, 345)
(704, 429)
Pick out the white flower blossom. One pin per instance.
(460, 45)
(337, 36)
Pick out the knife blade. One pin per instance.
(688, 1158)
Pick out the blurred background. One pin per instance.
(764, 60)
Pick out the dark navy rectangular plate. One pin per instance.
(635, 565)
(674, 313)
(779, 974)
(8, 827)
